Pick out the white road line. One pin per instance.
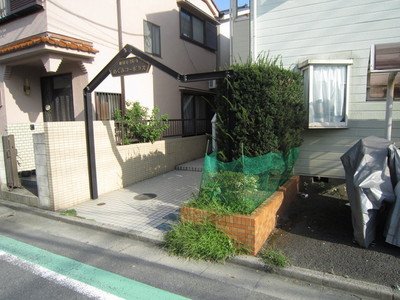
(77, 286)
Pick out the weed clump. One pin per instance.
(273, 257)
(199, 242)
(69, 212)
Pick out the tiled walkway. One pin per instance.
(149, 207)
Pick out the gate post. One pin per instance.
(10, 162)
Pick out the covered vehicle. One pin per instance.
(392, 231)
(369, 185)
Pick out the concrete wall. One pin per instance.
(42, 171)
(117, 166)
(313, 29)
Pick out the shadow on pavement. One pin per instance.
(317, 233)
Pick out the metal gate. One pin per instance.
(10, 160)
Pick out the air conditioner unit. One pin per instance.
(212, 84)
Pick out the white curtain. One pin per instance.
(329, 92)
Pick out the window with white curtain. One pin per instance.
(326, 92)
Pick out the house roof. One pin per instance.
(52, 39)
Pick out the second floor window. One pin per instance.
(152, 38)
(198, 31)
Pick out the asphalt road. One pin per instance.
(132, 262)
(19, 284)
(317, 234)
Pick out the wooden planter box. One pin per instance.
(250, 231)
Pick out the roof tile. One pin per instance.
(51, 39)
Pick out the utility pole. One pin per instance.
(120, 46)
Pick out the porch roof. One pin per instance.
(51, 39)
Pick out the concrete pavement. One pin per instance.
(147, 210)
(143, 262)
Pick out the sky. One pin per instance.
(224, 4)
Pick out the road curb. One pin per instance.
(84, 222)
(324, 279)
(311, 276)
(6, 212)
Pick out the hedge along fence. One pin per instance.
(258, 134)
(264, 113)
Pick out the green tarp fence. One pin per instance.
(248, 179)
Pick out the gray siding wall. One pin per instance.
(331, 29)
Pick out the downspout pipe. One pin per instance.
(389, 105)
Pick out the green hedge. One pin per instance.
(264, 112)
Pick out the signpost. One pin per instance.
(129, 66)
(120, 66)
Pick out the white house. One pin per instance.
(330, 42)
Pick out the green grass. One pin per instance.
(275, 258)
(200, 242)
(69, 212)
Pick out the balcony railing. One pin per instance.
(177, 127)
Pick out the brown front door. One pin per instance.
(57, 98)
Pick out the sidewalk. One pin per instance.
(148, 209)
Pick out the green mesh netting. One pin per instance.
(242, 185)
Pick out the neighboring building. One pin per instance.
(241, 42)
(51, 49)
(332, 43)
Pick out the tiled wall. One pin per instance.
(116, 166)
(24, 144)
(119, 166)
(250, 231)
(65, 147)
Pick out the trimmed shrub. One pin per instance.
(264, 110)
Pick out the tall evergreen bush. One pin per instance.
(260, 111)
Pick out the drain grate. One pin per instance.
(172, 217)
(145, 196)
(164, 227)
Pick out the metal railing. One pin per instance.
(177, 127)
